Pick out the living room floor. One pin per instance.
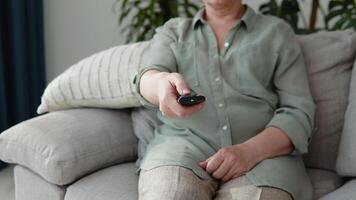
(7, 183)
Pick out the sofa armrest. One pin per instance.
(345, 192)
(65, 145)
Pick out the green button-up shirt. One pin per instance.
(257, 80)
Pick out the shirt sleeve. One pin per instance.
(158, 56)
(296, 108)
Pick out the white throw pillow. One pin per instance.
(101, 80)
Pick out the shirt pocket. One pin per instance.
(186, 61)
(255, 70)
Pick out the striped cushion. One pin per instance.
(101, 80)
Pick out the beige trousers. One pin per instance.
(180, 183)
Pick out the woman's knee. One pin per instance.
(271, 193)
(173, 182)
(242, 188)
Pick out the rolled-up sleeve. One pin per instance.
(296, 109)
(158, 56)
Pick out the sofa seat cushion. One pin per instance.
(116, 182)
(65, 145)
(324, 181)
(346, 192)
(30, 185)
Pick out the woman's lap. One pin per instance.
(242, 189)
(176, 182)
(173, 182)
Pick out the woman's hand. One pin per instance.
(230, 162)
(164, 88)
(234, 161)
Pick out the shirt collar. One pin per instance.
(248, 19)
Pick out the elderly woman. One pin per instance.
(246, 140)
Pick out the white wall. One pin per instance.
(75, 29)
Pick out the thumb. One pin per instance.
(203, 164)
(181, 84)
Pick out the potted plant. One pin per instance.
(144, 16)
(341, 15)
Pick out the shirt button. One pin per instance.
(221, 105)
(224, 127)
(226, 45)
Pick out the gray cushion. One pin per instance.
(324, 181)
(65, 145)
(329, 57)
(7, 184)
(346, 162)
(31, 186)
(346, 192)
(117, 182)
(144, 121)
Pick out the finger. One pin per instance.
(228, 175)
(180, 83)
(222, 170)
(214, 163)
(166, 101)
(203, 164)
(166, 111)
(169, 99)
(188, 110)
(183, 111)
(237, 175)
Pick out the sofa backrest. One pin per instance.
(346, 160)
(329, 57)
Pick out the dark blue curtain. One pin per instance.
(22, 68)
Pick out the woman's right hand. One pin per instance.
(168, 87)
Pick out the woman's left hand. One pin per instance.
(230, 162)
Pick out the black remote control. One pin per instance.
(191, 99)
(188, 100)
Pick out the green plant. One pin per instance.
(341, 14)
(287, 10)
(147, 15)
(140, 18)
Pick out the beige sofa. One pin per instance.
(90, 153)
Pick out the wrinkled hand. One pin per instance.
(169, 88)
(230, 162)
